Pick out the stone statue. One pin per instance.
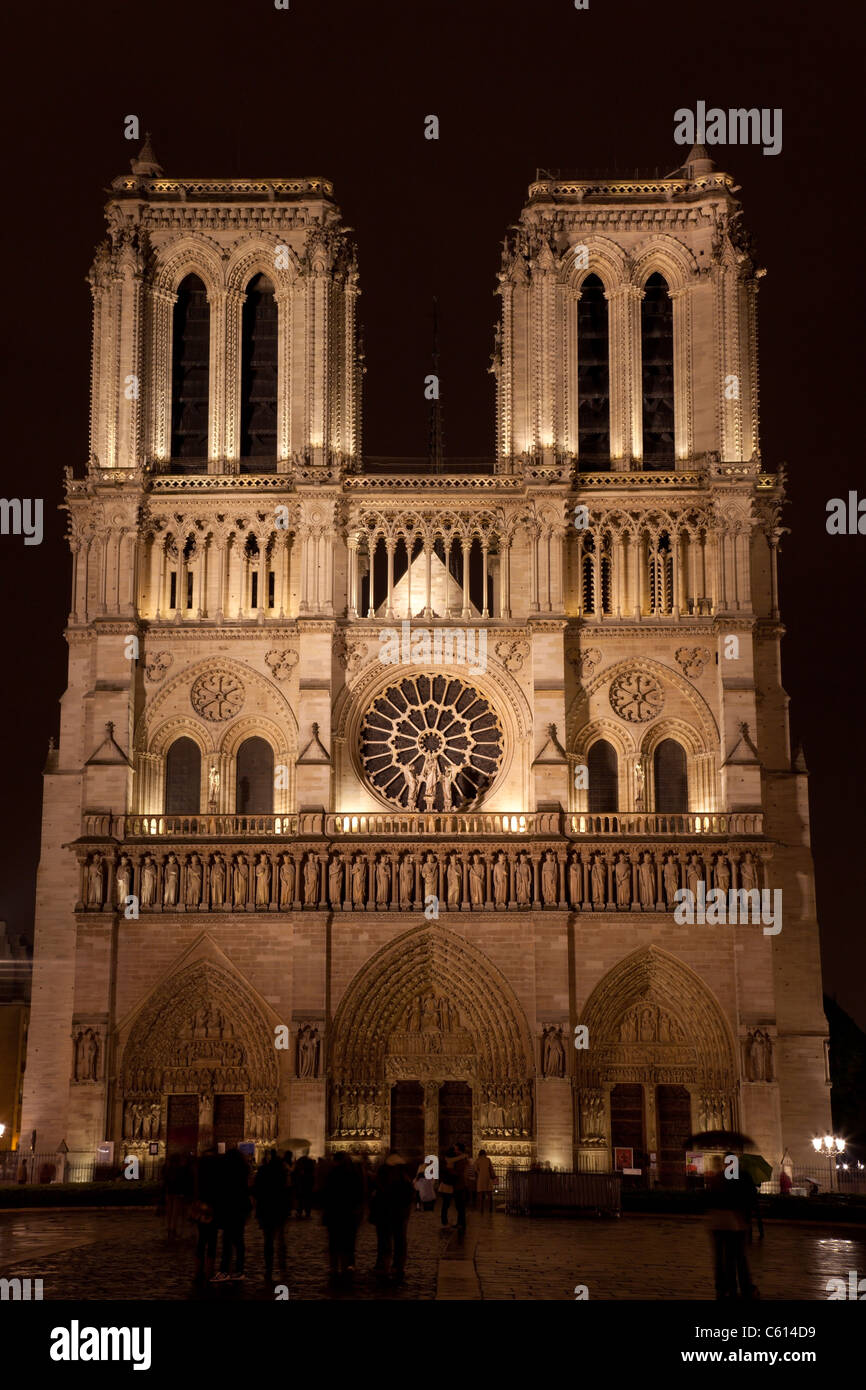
(758, 1057)
(335, 881)
(192, 894)
(123, 880)
(171, 881)
(622, 876)
(311, 881)
(148, 881)
(308, 1051)
(217, 881)
(598, 881)
(213, 785)
(452, 881)
(95, 882)
(287, 881)
(548, 879)
(523, 880)
(672, 879)
(748, 872)
(500, 881)
(639, 781)
(383, 881)
(411, 788)
(694, 873)
(646, 881)
(430, 877)
(407, 880)
(240, 880)
(86, 1066)
(574, 881)
(263, 881)
(359, 880)
(723, 873)
(553, 1052)
(476, 881)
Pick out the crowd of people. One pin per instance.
(219, 1192)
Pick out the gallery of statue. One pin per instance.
(377, 780)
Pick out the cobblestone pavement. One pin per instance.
(124, 1255)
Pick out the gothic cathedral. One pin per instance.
(380, 791)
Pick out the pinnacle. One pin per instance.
(145, 161)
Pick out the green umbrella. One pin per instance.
(758, 1168)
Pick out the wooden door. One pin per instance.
(182, 1130)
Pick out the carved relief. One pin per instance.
(351, 652)
(217, 696)
(157, 665)
(552, 1050)
(512, 654)
(87, 1055)
(307, 1051)
(281, 663)
(636, 697)
(759, 1056)
(692, 660)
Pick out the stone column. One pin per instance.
(428, 578)
(467, 550)
(536, 898)
(563, 879)
(484, 605)
(389, 608)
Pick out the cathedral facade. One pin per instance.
(378, 790)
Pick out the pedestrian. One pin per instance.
(785, 1184)
(323, 1168)
(425, 1188)
(729, 1204)
(289, 1163)
(342, 1208)
(750, 1187)
(272, 1209)
(232, 1213)
(303, 1177)
(176, 1191)
(485, 1179)
(461, 1189)
(390, 1205)
(446, 1182)
(471, 1182)
(203, 1212)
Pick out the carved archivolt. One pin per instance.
(172, 700)
(203, 1032)
(653, 1017)
(706, 724)
(484, 1034)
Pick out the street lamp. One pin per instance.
(829, 1147)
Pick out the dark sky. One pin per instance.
(342, 90)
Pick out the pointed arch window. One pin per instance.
(190, 375)
(259, 377)
(671, 776)
(603, 776)
(255, 778)
(661, 574)
(593, 376)
(183, 778)
(657, 368)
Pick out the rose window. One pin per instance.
(636, 697)
(431, 743)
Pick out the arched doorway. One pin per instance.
(198, 1066)
(430, 1029)
(662, 1065)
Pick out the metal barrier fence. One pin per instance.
(540, 1190)
(20, 1166)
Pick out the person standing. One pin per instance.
(203, 1212)
(446, 1182)
(303, 1177)
(425, 1188)
(342, 1207)
(461, 1185)
(729, 1209)
(390, 1205)
(232, 1213)
(176, 1188)
(484, 1179)
(272, 1209)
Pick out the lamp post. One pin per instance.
(829, 1147)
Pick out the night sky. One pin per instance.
(342, 91)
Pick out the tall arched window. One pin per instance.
(593, 376)
(183, 778)
(671, 777)
(657, 359)
(255, 778)
(190, 372)
(259, 374)
(603, 780)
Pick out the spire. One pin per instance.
(698, 162)
(145, 160)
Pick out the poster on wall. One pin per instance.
(694, 1164)
(623, 1158)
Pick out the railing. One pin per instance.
(538, 1190)
(667, 824)
(415, 824)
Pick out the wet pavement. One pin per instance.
(113, 1254)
